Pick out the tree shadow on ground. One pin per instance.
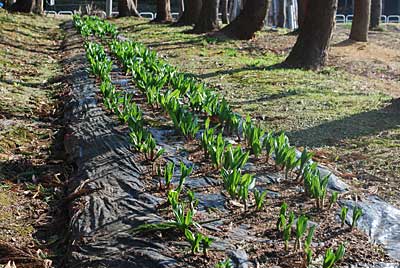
(249, 67)
(355, 126)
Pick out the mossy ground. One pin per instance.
(30, 69)
(346, 112)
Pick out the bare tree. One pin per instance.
(208, 19)
(360, 24)
(127, 8)
(311, 48)
(249, 21)
(191, 13)
(376, 12)
(163, 11)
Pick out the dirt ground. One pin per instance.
(32, 170)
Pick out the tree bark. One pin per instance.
(234, 9)
(127, 8)
(311, 48)
(39, 9)
(281, 13)
(224, 11)
(208, 20)
(302, 12)
(163, 11)
(249, 21)
(360, 24)
(376, 12)
(191, 13)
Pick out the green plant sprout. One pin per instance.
(268, 144)
(333, 199)
(206, 137)
(305, 159)
(173, 198)
(185, 173)
(307, 244)
(287, 230)
(281, 148)
(168, 174)
(194, 240)
(331, 258)
(343, 215)
(260, 199)
(206, 243)
(301, 227)
(235, 158)
(282, 217)
(193, 201)
(224, 264)
(216, 150)
(290, 162)
(183, 218)
(357, 213)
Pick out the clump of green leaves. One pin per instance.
(185, 173)
(301, 227)
(269, 144)
(282, 217)
(235, 158)
(281, 148)
(259, 198)
(224, 264)
(216, 148)
(207, 137)
(305, 159)
(237, 185)
(253, 135)
(331, 258)
(314, 185)
(287, 229)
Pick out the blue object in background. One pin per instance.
(1, 5)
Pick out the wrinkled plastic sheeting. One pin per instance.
(380, 220)
(107, 170)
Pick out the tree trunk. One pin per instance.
(281, 13)
(302, 12)
(39, 7)
(224, 11)
(24, 6)
(360, 24)
(208, 20)
(191, 13)
(163, 11)
(249, 21)
(311, 48)
(234, 9)
(127, 8)
(376, 12)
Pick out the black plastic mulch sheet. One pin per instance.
(114, 201)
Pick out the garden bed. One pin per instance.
(121, 193)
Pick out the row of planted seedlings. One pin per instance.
(141, 139)
(183, 99)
